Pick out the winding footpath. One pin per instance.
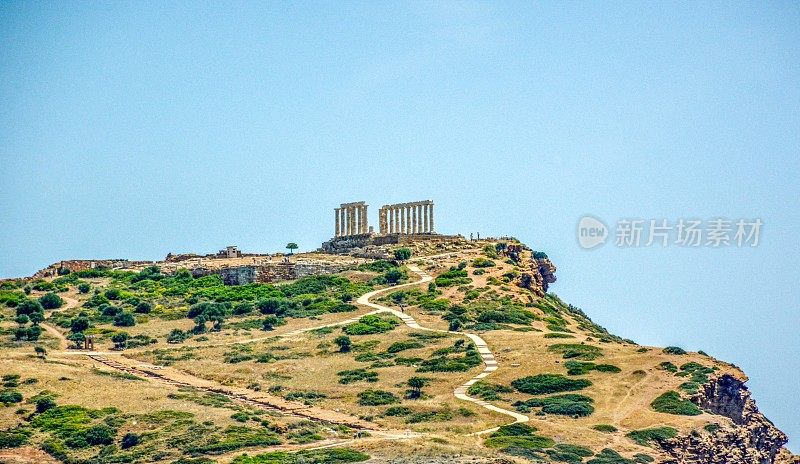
(460, 392)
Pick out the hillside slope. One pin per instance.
(460, 354)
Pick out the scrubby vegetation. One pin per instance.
(577, 351)
(672, 403)
(548, 383)
(372, 324)
(376, 398)
(581, 368)
(488, 391)
(573, 405)
(327, 456)
(647, 436)
(517, 436)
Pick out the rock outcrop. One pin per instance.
(749, 438)
(543, 273)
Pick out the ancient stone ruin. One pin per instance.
(397, 224)
(406, 218)
(351, 219)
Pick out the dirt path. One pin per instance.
(262, 401)
(63, 343)
(489, 361)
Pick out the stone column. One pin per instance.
(402, 220)
(414, 219)
(359, 219)
(420, 222)
(395, 221)
(364, 219)
(431, 217)
(336, 210)
(407, 211)
(350, 220)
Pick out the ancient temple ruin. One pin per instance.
(406, 218)
(398, 223)
(351, 219)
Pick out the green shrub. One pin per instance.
(129, 440)
(29, 307)
(371, 324)
(51, 301)
(609, 456)
(518, 436)
(488, 391)
(402, 254)
(581, 368)
(394, 411)
(13, 438)
(452, 277)
(84, 287)
(124, 319)
(44, 403)
(99, 435)
(711, 428)
(357, 375)
(404, 345)
(376, 398)
(321, 456)
(380, 266)
(178, 336)
(483, 262)
(10, 397)
(606, 428)
(672, 403)
(548, 383)
(143, 307)
(668, 366)
(558, 335)
(569, 453)
(577, 351)
(344, 343)
(674, 350)
(564, 405)
(508, 315)
(646, 436)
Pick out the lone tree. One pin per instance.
(291, 246)
(120, 340)
(415, 387)
(402, 254)
(343, 342)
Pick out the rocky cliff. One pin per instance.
(748, 438)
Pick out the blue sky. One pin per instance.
(133, 129)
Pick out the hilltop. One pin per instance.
(431, 350)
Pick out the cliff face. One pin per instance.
(751, 439)
(543, 273)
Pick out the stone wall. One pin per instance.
(273, 272)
